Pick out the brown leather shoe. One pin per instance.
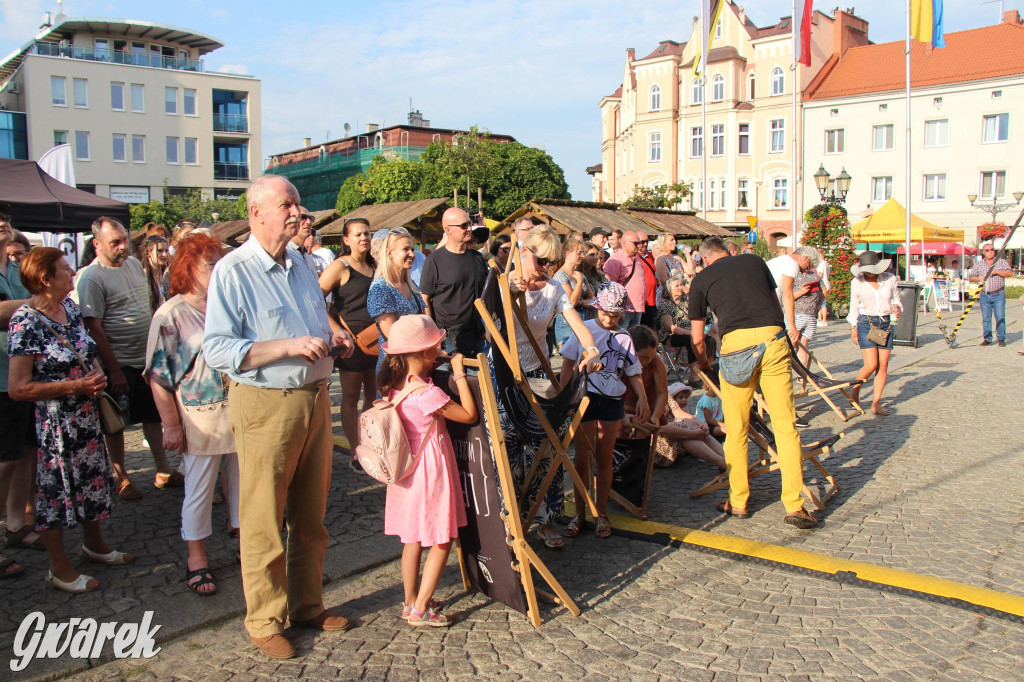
(326, 621)
(274, 646)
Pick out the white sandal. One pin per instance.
(78, 586)
(112, 558)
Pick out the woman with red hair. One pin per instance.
(192, 400)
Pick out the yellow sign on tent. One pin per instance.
(888, 225)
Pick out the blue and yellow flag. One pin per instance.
(926, 22)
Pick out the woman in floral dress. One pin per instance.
(75, 477)
(392, 292)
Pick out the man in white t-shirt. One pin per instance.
(784, 270)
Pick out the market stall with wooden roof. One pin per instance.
(421, 217)
(583, 216)
(685, 224)
(234, 233)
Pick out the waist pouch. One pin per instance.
(737, 367)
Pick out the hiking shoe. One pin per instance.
(802, 519)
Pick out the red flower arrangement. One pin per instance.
(992, 230)
(827, 228)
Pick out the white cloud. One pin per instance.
(238, 69)
(20, 20)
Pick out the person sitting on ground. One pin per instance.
(192, 399)
(53, 364)
(709, 411)
(685, 434)
(654, 376)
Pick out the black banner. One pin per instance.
(629, 464)
(488, 557)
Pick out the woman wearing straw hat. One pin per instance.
(874, 309)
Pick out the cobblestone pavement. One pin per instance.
(928, 489)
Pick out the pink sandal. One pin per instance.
(407, 609)
(430, 619)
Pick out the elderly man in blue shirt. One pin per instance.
(267, 329)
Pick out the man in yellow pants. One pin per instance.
(739, 290)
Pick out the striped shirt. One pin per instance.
(996, 282)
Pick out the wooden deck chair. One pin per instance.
(504, 340)
(824, 383)
(768, 460)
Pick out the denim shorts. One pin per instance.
(863, 327)
(604, 408)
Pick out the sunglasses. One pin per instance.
(306, 216)
(504, 249)
(464, 226)
(543, 262)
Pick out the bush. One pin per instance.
(828, 229)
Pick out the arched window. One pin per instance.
(751, 80)
(718, 88)
(697, 96)
(655, 98)
(778, 82)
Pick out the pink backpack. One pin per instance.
(383, 449)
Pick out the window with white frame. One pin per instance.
(80, 91)
(751, 89)
(120, 147)
(81, 145)
(170, 100)
(882, 138)
(138, 149)
(996, 128)
(743, 194)
(835, 141)
(58, 91)
(778, 82)
(718, 88)
(718, 30)
(654, 147)
(936, 133)
(700, 194)
(718, 139)
(696, 92)
(117, 96)
(60, 137)
(711, 195)
(172, 150)
(190, 102)
(655, 98)
(696, 142)
(191, 151)
(993, 184)
(743, 148)
(780, 193)
(934, 186)
(721, 202)
(777, 127)
(138, 97)
(881, 188)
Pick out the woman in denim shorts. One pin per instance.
(874, 300)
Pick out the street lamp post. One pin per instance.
(842, 187)
(995, 208)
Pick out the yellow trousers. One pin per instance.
(776, 381)
(284, 445)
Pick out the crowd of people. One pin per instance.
(225, 357)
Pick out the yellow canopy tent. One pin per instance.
(889, 225)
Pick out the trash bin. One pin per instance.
(906, 328)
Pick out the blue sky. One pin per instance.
(533, 69)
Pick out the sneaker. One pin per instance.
(802, 423)
(802, 519)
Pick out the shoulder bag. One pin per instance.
(877, 335)
(111, 415)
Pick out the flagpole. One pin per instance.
(909, 145)
(706, 35)
(796, 83)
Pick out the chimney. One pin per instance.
(848, 31)
(307, 141)
(630, 54)
(1011, 16)
(371, 127)
(743, 16)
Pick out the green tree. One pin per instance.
(351, 195)
(191, 205)
(662, 196)
(828, 228)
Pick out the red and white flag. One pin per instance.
(802, 31)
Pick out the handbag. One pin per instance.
(367, 340)
(737, 367)
(111, 416)
(877, 335)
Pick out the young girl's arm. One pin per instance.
(661, 389)
(464, 411)
(643, 410)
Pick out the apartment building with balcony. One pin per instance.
(135, 103)
(653, 133)
(967, 118)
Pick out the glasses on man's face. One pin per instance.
(18, 255)
(464, 226)
(306, 216)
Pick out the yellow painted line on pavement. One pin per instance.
(992, 599)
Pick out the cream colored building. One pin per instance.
(133, 100)
(967, 118)
(652, 129)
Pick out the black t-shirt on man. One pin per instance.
(740, 292)
(453, 281)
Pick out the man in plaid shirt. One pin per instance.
(993, 299)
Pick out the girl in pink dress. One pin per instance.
(424, 509)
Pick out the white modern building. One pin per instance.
(966, 133)
(137, 106)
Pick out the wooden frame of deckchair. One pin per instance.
(641, 511)
(805, 374)
(526, 559)
(768, 458)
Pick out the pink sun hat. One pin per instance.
(612, 298)
(411, 334)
